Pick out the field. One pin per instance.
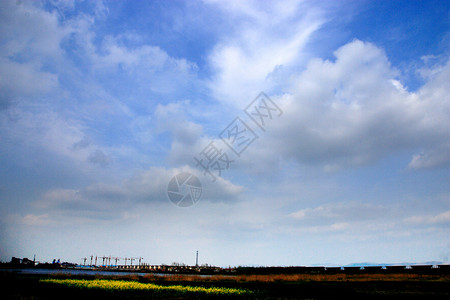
(279, 286)
(112, 285)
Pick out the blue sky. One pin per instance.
(103, 102)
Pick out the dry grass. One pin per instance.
(276, 277)
(301, 277)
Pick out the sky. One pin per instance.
(102, 103)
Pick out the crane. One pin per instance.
(104, 260)
(132, 258)
(116, 259)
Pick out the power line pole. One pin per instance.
(196, 259)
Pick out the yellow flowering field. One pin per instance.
(134, 285)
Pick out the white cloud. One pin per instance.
(440, 156)
(348, 112)
(48, 132)
(148, 67)
(41, 48)
(30, 220)
(29, 31)
(435, 106)
(151, 185)
(353, 111)
(186, 136)
(20, 80)
(264, 42)
(366, 220)
(109, 201)
(337, 213)
(442, 218)
(31, 40)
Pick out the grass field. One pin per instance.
(280, 286)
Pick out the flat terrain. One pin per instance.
(279, 286)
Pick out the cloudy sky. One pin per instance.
(102, 103)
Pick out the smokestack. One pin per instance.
(196, 259)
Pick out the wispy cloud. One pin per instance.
(263, 40)
(442, 218)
